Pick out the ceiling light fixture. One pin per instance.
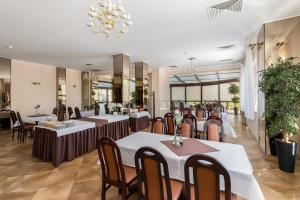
(191, 69)
(231, 5)
(10, 46)
(106, 15)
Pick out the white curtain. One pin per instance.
(247, 86)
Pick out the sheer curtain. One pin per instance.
(247, 86)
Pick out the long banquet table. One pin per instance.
(232, 156)
(139, 121)
(66, 144)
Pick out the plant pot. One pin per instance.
(272, 144)
(286, 153)
(236, 110)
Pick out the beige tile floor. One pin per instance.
(24, 178)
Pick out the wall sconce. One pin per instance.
(74, 86)
(279, 44)
(252, 45)
(260, 44)
(36, 83)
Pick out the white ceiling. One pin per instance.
(55, 32)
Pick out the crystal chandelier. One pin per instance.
(108, 15)
(191, 69)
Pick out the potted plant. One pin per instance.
(281, 85)
(234, 89)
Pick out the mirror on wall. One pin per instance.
(61, 87)
(5, 98)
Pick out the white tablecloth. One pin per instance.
(228, 129)
(78, 126)
(33, 120)
(232, 156)
(139, 114)
(111, 118)
(86, 113)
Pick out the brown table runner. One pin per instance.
(38, 115)
(190, 147)
(98, 122)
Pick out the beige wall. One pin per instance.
(25, 95)
(73, 86)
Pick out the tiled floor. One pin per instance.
(23, 177)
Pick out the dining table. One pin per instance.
(232, 156)
(84, 113)
(139, 120)
(34, 119)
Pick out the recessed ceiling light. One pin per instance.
(10, 46)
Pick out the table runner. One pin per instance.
(233, 157)
(98, 122)
(190, 147)
(138, 124)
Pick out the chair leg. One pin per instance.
(124, 193)
(103, 191)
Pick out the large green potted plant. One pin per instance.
(281, 85)
(234, 89)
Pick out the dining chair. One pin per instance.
(24, 128)
(215, 118)
(200, 113)
(114, 173)
(140, 109)
(97, 109)
(191, 119)
(70, 113)
(54, 111)
(106, 108)
(206, 172)
(169, 119)
(77, 113)
(186, 111)
(186, 130)
(152, 184)
(61, 115)
(16, 126)
(214, 130)
(158, 126)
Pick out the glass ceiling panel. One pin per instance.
(188, 78)
(208, 77)
(229, 75)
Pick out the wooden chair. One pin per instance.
(24, 128)
(61, 115)
(70, 113)
(14, 120)
(54, 111)
(152, 184)
(213, 130)
(215, 118)
(97, 109)
(169, 119)
(206, 179)
(186, 130)
(106, 108)
(77, 113)
(114, 173)
(191, 119)
(200, 113)
(186, 111)
(158, 126)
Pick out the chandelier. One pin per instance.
(191, 69)
(107, 16)
(231, 5)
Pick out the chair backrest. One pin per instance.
(158, 125)
(214, 130)
(169, 118)
(77, 113)
(106, 108)
(215, 118)
(149, 164)
(61, 115)
(70, 111)
(111, 162)
(200, 113)
(186, 111)
(191, 119)
(206, 178)
(54, 111)
(21, 122)
(97, 109)
(140, 109)
(13, 117)
(186, 130)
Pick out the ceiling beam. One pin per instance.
(197, 78)
(179, 79)
(206, 83)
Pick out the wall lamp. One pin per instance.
(36, 83)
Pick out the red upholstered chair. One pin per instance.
(24, 128)
(114, 173)
(169, 119)
(214, 130)
(206, 172)
(153, 185)
(158, 126)
(215, 118)
(186, 130)
(186, 111)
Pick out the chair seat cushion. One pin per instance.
(130, 173)
(222, 194)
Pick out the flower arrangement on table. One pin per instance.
(37, 107)
(115, 108)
